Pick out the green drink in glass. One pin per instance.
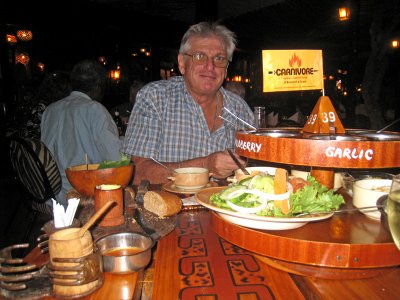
(393, 209)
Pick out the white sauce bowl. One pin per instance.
(367, 191)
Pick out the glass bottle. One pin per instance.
(259, 117)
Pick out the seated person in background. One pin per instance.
(177, 121)
(79, 126)
(237, 88)
(125, 108)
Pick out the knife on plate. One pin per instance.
(138, 213)
(141, 190)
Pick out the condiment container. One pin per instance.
(190, 178)
(125, 252)
(366, 192)
(110, 192)
(67, 243)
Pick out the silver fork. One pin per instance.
(370, 208)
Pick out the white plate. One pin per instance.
(253, 220)
(170, 187)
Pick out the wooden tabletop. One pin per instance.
(194, 262)
(344, 246)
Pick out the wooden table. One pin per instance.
(345, 246)
(194, 262)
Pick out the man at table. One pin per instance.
(177, 121)
(78, 129)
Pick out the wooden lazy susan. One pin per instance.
(345, 245)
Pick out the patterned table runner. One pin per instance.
(193, 262)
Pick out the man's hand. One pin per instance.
(221, 164)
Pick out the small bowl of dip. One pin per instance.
(366, 192)
(125, 252)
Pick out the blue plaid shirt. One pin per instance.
(167, 124)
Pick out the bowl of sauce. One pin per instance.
(125, 252)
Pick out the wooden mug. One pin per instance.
(110, 192)
(68, 243)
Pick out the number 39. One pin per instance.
(328, 117)
(312, 119)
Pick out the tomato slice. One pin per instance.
(298, 183)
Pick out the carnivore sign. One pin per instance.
(292, 70)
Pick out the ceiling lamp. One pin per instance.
(344, 13)
(22, 58)
(103, 60)
(115, 74)
(395, 43)
(24, 35)
(237, 78)
(40, 66)
(11, 39)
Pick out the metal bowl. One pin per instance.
(287, 132)
(125, 252)
(337, 137)
(381, 136)
(373, 135)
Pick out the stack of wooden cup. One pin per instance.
(76, 249)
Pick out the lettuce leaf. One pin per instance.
(124, 161)
(314, 198)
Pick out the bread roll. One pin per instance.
(162, 203)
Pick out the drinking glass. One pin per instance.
(259, 116)
(393, 207)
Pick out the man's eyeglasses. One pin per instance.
(200, 58)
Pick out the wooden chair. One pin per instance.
(37, 171)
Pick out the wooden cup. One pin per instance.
(67, 243)
(110, 192)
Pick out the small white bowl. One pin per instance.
(367, 191)
(190, 178)
(348, 178)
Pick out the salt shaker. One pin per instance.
(259, 116)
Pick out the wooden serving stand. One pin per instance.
(323, 144)
(344, 246)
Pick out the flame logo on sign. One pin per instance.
(295, 60)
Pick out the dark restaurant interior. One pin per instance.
(140, 40)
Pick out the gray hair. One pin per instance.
(206, 29)
(88, 75)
